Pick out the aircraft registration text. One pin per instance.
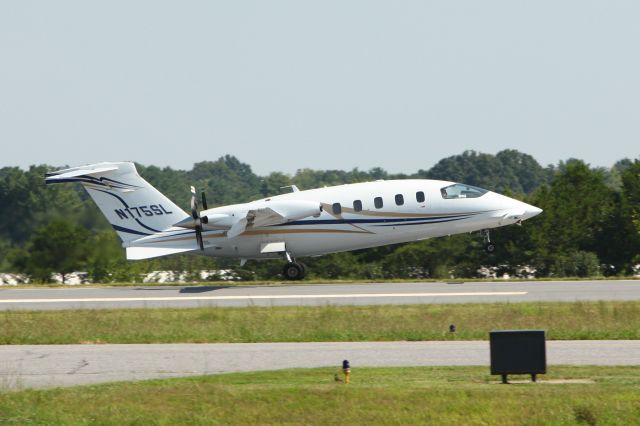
(135, 212)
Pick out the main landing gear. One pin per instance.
(293, 270)
(489, 247)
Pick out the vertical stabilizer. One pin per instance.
(132, 206)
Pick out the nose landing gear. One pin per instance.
(489, 247)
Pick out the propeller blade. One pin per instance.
(195, 214)
(194, 204)
(204, 201)
(199, 237)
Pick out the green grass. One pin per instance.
(418, 395)
(563, 321)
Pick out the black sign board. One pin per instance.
(518, 352)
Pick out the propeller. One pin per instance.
(204, 219)
(195, 214)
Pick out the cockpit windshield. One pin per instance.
(459, 190)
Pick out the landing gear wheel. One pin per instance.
(489, 247)
(293, 271)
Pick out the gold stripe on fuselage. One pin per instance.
(263, 232)
(303, 231)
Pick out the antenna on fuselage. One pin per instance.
(294, 188)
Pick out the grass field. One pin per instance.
(563, 321)
(419, 395)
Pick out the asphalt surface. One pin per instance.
(43, 366)
(318, 294)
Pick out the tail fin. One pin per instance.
(132, 206)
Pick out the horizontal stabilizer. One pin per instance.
(61, 175)
(138, 253)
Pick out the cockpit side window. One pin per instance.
(459, 190)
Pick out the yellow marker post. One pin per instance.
(346, 369)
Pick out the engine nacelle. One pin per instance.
(218, 220)
(255, 214)
(294, 209)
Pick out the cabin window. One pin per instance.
(377, 202)
(459, 190)
(337, 208)
(420, 197)
(399, 200)
(357, 205)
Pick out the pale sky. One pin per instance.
(285, 85)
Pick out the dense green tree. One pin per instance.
(631, 191)
(106, 257)
(274, 184)
(576, 264)
(508, 170)
(629, 217)
(521, 172)
(5, 261)
(577, 208)
(308, 179)
(56, 247)
(26, 203)
(226, 181)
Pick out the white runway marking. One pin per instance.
(274, 297)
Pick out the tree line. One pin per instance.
(590, 225)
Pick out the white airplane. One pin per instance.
(296, 224)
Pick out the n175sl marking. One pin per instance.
(135, 212)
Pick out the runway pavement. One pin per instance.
(318, 294)
(41, 366)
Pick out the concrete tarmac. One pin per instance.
(43, 366)
(315, 294)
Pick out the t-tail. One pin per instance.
(133, 207)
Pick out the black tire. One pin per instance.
(490, 248)
(293, 271)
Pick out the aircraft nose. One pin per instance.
(531, 211)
